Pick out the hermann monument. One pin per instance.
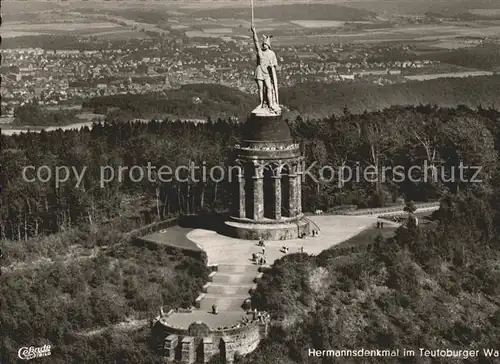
(268, 178)
(267, 182)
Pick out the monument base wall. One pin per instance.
(203, 346)
(270, 232)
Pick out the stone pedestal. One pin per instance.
(229, 349)
(208, 349)
(171, 342)
(188, 350)
(270, 160)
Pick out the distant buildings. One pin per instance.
(57, 76)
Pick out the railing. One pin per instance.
(382, 210)
(152, 228)
(394, 209)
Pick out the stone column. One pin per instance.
(277, 198)
(241, 195)
(292, 177)
(258, 193)
(263, 329)
(299, 188)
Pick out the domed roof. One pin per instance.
(266, 129)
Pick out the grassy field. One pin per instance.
(290, 12)
(445, 36)
(486, 12)
(293, 24)
(318, 23)
(108, 31)
(454, 44)
(448, 75)
(17, 29)
(419, 7)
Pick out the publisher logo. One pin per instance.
(28, 353)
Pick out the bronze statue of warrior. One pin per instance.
(265, 73)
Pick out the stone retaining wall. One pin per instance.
(199, 343)
(383, 210)
(153, 228)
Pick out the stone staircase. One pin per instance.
(237, 269)
(228, 287)
(233, 279)
(223, 289)
(223, 302)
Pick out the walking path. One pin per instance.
(127, 325)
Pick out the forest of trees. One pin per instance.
(321, 100)
(71, 268)
(436, 288)
(310, 100)
(217, 101)
(399, 136)
(54, 294)
(429, 287)
(486, 56)
(33, 114)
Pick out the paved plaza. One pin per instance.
(224, 319)
(335, 229)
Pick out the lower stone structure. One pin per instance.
(252, 230)
(198, 344)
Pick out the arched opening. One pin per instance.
(200, 352)
(222, 350)
(249, 186)
(235, 190)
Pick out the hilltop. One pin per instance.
(309, 100)
(319, 100)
